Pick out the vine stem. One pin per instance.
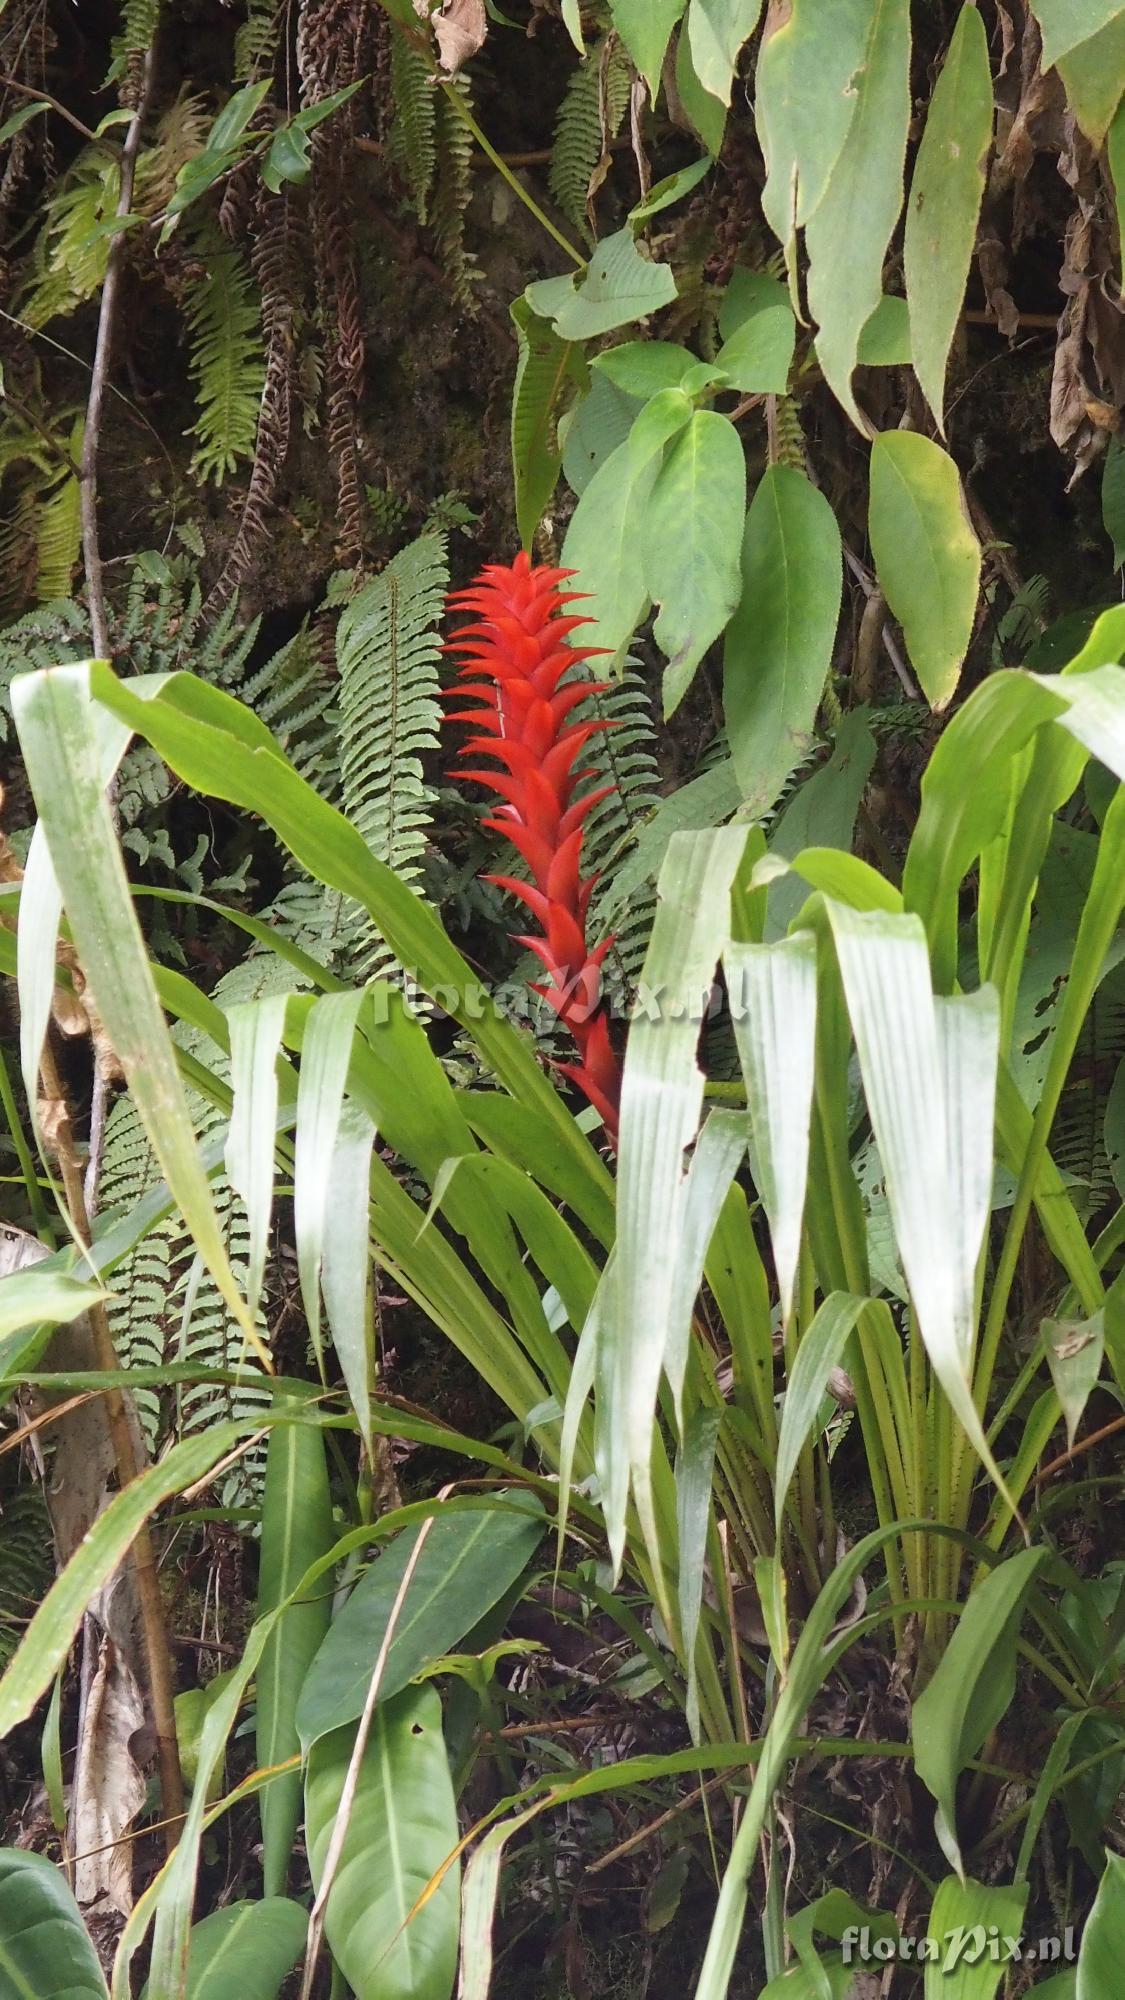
(158, 1656)
(99, 377)
(454, 98)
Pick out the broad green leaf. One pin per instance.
(716, 31)
(604, 545)
(759, 333)
(664, 193)
(618, 285)
(848, 234)
(403, 1826)
(22, 117)
(236, 115)
(971, 1689)
(297, 1529)
(58, 738)
(346, 1268)
(645, 27)
(833, 1915)
(1093, 77)
(805, 100)
(256, 1028)
(772, 991)
(779, 643)
(1102, 1950)
(929, 1074)
(821, 1348)
(48, 1637)
(244, 1951)
(944, 203)
(644, 367)
(821, 813)
(691, 537)
(885, 340)
(834, 1979)
(45, 1949)
(31, 1297)
(661, 1099)
(288, 158)
(704, 112)
(1065, 23)
(1115, 152)
(326, 1049)
(596, 423)
(1074, 1350)
(468, 1561)
(963, 1917)
(543, 362)
(926, 555)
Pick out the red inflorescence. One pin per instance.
(515, 663)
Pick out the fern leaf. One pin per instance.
(227, 361)
(68, 263)
(255, 42)
(452, 192)
(589, 117)
(387, 651)
(413, 135)
(625, 757)
(58, 534)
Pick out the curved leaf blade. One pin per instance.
(45, 1949)
(927, 557)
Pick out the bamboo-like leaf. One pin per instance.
(819, 1352)
(966, 1909)
(256, 1028)
(45, 1949)
(346, 1269)
(774, 1014)
(926, 555)
(326, 1048)
(944, 203)
(719, 1152)
(694, 1466)
(930, 1081)
(34, 1297)
(779, 643)
(971, 1689)
(390, 1940)
(848, 233)
(297, 1529)
(661, 1098)
(59, 739)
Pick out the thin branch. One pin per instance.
(103, 351)
(44, 97)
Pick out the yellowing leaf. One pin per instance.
(926, 555)
(945, 198)
(805, 101)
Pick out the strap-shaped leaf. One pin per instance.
(256, 1028)
(774, 1013)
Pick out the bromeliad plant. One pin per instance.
(681, 1387)
(523, 675)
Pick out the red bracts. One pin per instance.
(514, 662)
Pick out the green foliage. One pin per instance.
(413, 140)
(26, 1562)
(387, 652)
(224, 332)
(68, 260)
(590, 115)
(452, 189)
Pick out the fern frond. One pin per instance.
(589, 117)
(58, 534)
(27, 1563)
(227, 362)
(255, 42)
(181, 133)
(623, 756)
(68, 262)
(387, 651)
(413, 136)
(452, 191)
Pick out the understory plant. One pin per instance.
(682, 1395)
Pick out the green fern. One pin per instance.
(452, 191)
(58, 535)
(255, 43)
(50, 636)
(589, 117)
(623, 756)
(68, 262)
(387, 651)
(27, 1563)
(227, 362)
(413, 135)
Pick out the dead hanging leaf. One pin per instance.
(460, 29)
(109, 1785)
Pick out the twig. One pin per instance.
(103, 350)
(158, 1658)
(1084, 1444)
(868, 586)
(44, 97)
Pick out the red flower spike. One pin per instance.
(514, 663)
